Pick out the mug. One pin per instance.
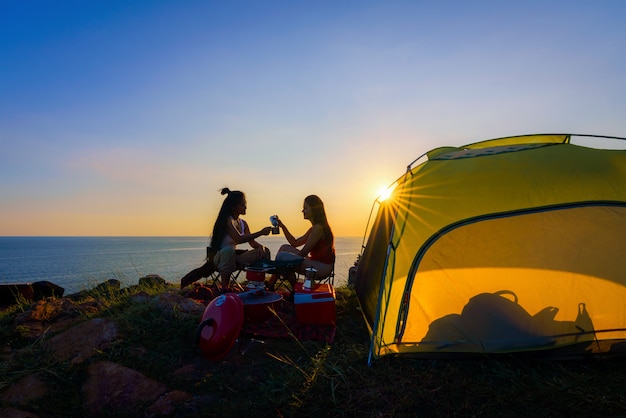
(274, 222)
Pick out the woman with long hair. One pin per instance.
(318, 243)
(230, 230)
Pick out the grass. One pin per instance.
(305, 378)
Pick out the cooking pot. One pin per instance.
(255, 274)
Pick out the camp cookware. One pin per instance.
(223, 319)
(258, 305)
(220, 326)
(255, 274)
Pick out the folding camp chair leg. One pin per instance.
(231, 281)
(216, 280)
(284, 279)
(246, 342)
(330, 279)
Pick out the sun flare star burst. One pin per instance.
(384, 193)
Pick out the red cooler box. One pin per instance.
(316, 305)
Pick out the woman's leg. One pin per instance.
(225, 260)
(286, 248)
(286, 253)
(290, 276)
(249, 257)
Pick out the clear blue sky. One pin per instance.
(126, 117)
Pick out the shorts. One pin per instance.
(287, 256)
(225, 260)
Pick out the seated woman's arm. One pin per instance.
(246, 236)
(314, 235)
(246, 231)
(293, 241)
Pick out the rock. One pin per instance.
(108, 286)
(45, 310)
(140, 297)
(203, 293)
(188, 373)
(112, 387)
(25, 391)
(45, 289)
(84, 340)
(10, 294)
(165, 405)
(54, 315)
(111, 287)
(16, 413)
(186, 370)
(152, 280)
(173, 301)
(108, 388)
(6, 352)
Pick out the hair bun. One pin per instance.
(225, 190)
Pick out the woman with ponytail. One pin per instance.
(229, 231)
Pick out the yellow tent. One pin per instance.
(507, 245)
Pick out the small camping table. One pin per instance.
(279, 267)
(257, 307)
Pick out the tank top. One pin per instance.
(228, 241)
(323, 252)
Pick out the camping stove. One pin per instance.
(256, 278)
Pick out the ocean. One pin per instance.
(79, 263)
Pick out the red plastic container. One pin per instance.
(315, 306)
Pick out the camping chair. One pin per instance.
(210, 273)
(215, 279)
(330, 279)
(283, 282)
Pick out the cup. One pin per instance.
(274, 222)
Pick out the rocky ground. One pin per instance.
(107, 386)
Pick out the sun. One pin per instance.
(384, 193)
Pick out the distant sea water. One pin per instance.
(79, 263)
